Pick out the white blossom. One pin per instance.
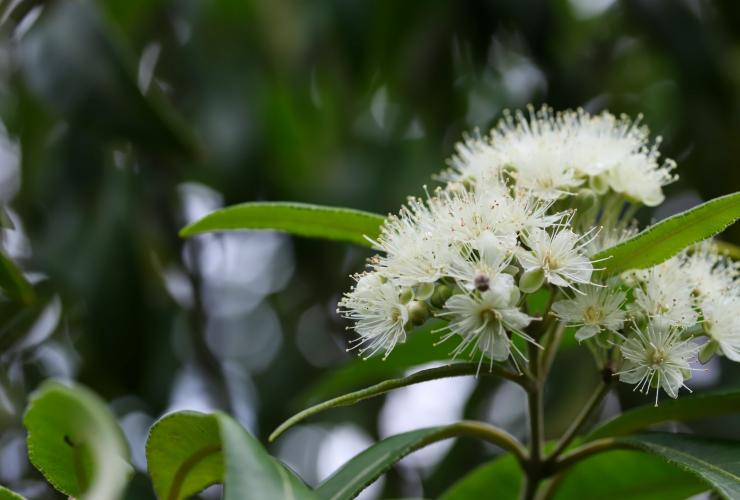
(657, 357)
(558, 255)
(593, 310)
(379, 314)
(664, 297)
(482, 321)
(722, 323)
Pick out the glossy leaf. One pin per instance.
(188, 451)
(668, 237)
(502, 476)
(301, 219)
(6, 494)
(363, 469)
(627, 474)
(716, 462)
(445, 371)
(684, 408)
(74, 440)
(12, 282)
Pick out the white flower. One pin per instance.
(480, 265)
(558, 255)
(551, 154)
(594, 310)
(415, 251)
(657, 357)
(641, 179)
(665, 297)
(482, 321)
(710, 274)
(722, 323)
(380, 316)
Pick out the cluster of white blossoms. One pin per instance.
(522, 212)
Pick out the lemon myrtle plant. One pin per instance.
(528, 243)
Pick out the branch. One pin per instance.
(593, 404)
(587, 450)
(453, 370)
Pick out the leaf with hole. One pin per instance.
(188, 451)
(300, 219)
(76, 443)
(668, 237)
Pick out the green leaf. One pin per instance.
(716, 462)
(74, 440)
(301, 219)
(502, 476)
(12, 281)
(452, 370)
(668, 237)
(419, 349)
(685, 408)
(363, 469)
(6, 494)
(188, 451)
(620, 474)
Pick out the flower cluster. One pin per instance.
(522, 211)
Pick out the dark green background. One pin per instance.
(344, 103)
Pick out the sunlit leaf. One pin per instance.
(684, 408)
(188, 451)
(715, 461)
(301, 219)
(668, 237)
(75, 442)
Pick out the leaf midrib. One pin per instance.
(188, 465)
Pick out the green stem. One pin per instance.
(599, 446)
(453, 370)
(593, 404)
(533, 467)
(484, 431)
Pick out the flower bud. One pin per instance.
(706, 353)
(599, 184)
(424, 291)
(406, 295)
(418, 312)
(532, 280)
(440, 295)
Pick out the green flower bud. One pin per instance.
(406, 295)
(418, 312)
(599, 184)
(440, 295)
(709, 350)
(532, 280)
(424, 291)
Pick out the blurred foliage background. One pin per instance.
(121, 121)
